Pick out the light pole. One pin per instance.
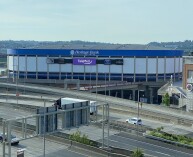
(105, 87)
(24, 77)
(138, 113)
(15, 79)
(138, 102)
(44, 128)
(90, 79)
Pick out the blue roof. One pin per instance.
(77, 52)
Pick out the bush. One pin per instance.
(176, 138)
(80, 138)
(137, 153)
(191, 143)
(160, 128)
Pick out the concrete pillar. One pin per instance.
(133, 94)
(78, 85)
(122, 93)
(151, 95)
(65, 85)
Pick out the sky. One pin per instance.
(111, 21)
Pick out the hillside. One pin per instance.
(186, 45)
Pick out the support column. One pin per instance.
(78, 85)
(122, 93)
(151, 95)
(103, 128)
(65, 84)
(133, 94)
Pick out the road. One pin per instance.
(120, 139)
(35, 147)
(97, 97)
(149, 147)
(117, 138)
(168, 127)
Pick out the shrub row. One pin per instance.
(172, 137)
(80, 138)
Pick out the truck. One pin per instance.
(93, 107)
(62, 101)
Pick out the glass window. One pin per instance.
(190, 73)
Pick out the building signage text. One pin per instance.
(84, 52)
(84, 61)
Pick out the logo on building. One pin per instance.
(72, 52)
(50, 60)
(107, 62)
(84, 61)
(84, 52)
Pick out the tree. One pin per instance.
(166, 99)
(137, 153)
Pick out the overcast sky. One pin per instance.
(112, 21)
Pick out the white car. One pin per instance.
(14, 139)
(136, 121)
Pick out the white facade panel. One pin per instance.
(15, 63)
(140, 65)
(90, 68)
(151, 65)
(128, 65)
(78, 68)
(116, 69)
(66, 68)
(103, 68)
(22, 65)
(10, 64)
(177, 68)
(169, 65)
(160, 65)
(42, 64)
(53, 67)
(181, 64)
(31, 64)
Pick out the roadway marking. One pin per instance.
(161, 153)
(154, 145)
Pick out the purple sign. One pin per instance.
(84, 61)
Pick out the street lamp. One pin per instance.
(138, 113)
(24, 77)
(16, 80)
(138, 102)
(105, 87)
(44, 128)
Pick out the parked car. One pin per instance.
(136, 121)
(14, 139)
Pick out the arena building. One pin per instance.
(118, 62)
